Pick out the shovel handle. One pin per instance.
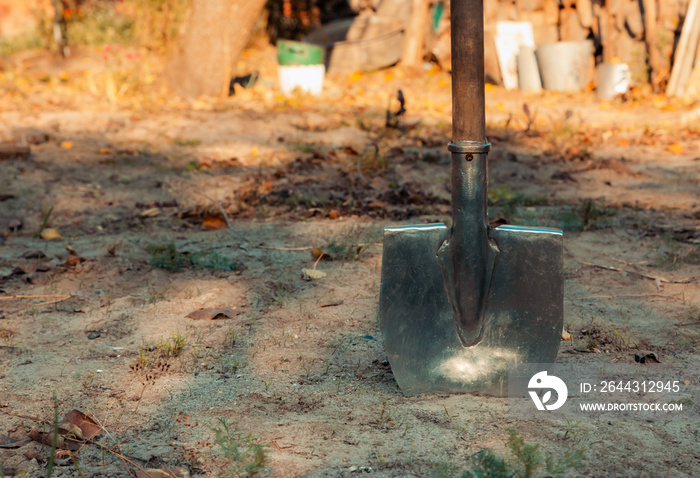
(467, 257)
(468, 102)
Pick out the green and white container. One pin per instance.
(300, 66)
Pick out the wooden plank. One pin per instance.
(685, 53)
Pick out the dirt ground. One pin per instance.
(162, 207)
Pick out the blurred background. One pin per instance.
(196, 44)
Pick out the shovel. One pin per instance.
(459, 304)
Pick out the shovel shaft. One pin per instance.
(467, 257)
(468, 103)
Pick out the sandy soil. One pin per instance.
(137, 191)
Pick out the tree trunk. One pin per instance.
(213, 37)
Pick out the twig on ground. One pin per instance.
(624, 296)
(19, 415)
(48, 296)
(639, 274)
(332, 304)
(294, 249)
(16, 444)
(58, 298)
(43, 303)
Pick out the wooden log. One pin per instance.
(668, 14)
(685, 53)
(551, 12)
(507, 12)
(414, 37)
(651, 38)
(565, 15)
(584, 9)
(542, 31)
(608, 33)
(595, 26)
(490, 12)
(634, 20)
(575, 31)
(528, 6)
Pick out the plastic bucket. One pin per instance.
(298, 53)
(300, 67)
(564, 65)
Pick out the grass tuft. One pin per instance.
(522, 460)
(245, 455)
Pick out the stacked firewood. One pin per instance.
(642, 33)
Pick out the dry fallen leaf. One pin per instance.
(50, 233)
(75, 428)
(316, 252)
(86, 425)
(213, 223)
(313, 273)
(211, 314)
(73, 259)
(66, 145)
(565, 335)
(333, 214)
(676, 148)
(105, 151)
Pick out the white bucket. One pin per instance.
(564, 65)
(612, 79)
(308, 78)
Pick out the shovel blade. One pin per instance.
(523, 317)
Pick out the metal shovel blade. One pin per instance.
(523, 316)
(459, 304)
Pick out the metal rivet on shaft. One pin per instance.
(469, 157)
